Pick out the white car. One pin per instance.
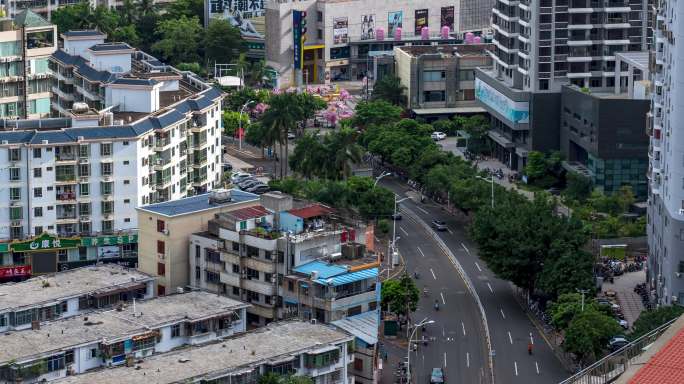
(238, 177)
(438, 136)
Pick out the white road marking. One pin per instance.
(421, 251)
(502, 314)
(404, 231)
(490, 288)
(466, 248)
(449, 230)
(433, 274)
(515, 365)
(424, 211)
(531, 338)
(510, 338)
(467, 359)
(443, 332)
(536, 366)
(442, 295)
(478, 267)
(463, 328)
(445, 360)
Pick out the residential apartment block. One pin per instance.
(165, 230)
(118, 336)
(246, 253)
(141, 132)
(666, 156)
(299, 348)
(26, 43)
(45, 8)
(343, 36)
(66, 294)
(543, 47)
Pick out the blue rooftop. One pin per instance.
(325, 270)
(364, 326)
(110, 47)
(130, 81)
(348, 277)
(196, 203)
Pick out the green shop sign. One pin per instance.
(44, 242)
(49, 242)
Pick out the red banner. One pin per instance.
(18, 271)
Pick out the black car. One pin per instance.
(396, 216)
(439, 225)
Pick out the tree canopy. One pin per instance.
(331, 158)
(222, 42)
(652, 319)
(400, 295)
(390, 89)
(179, 40)
(375, 112)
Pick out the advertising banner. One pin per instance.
(18, 271)
(242, 14)
(368, 27)
(421, 20)
(394, 20)
(340, 30)
(297, 39)
(447, 17)
(515, 111)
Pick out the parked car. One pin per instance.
(438, 136)
(617, 342)
(623, 323)
(258, 189)
(291, 136)
(236, 177)
(437, 376)
(249, 184)
(439, 225)
(227, 167)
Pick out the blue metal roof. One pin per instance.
(325, 270)
(196, 203)
(83, 32)
(53, 137)
(363, 326)
(110, 47)
(14, 137)
(129, 81)
(349, 277)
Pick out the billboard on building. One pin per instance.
(447, 17)
(515, 111)
(421, 17)
(394, 21)
(340, 30)
(367, 27)
(246, 15)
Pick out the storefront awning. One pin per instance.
(447, 111)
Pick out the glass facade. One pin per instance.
(610, 175)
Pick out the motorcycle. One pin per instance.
(436, 306)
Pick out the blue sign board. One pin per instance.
(297, 34)
(515, 111)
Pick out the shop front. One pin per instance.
(48, 253)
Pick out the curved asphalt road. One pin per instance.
(510, 328)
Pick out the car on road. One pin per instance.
(438, 136)
(249, 184)
(291, 136)
(396, 216)
(437, 376)
(439, 225)
(617, 342)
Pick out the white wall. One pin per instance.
(115, 63)
(133, 100)
(78, 47)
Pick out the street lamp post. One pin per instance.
(380, 177)
(425, 321)
(242, 110)
(490, 180)
(391, 246)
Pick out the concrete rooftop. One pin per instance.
(273, 342)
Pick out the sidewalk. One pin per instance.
(629, 301)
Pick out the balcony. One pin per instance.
(162, 182)
(65, 196)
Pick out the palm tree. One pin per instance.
(345, 150)
(281, 117)
(390, 89)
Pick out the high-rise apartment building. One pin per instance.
(666, 153)
(132, 131)
(543, 48)
(26, 43)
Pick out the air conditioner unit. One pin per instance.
(675, 298)
(15, 223)
(85, 218)
(165, 231)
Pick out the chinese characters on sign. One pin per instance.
(109, 240)
(44, 242)
(246, 9)
(21, 270)
(340, 30)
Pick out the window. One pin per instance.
(14, 174)
(290, 285)
(434, 75)
(252, 274)
(126, 162)
(15, 154)
(431, 96)
(267, 255)
(55, 363)
(252, 296)
(161, 247)
(236, 247)
(37, 211)
(107, 225)
(15, 193)
(36, 153)
(84, 189)
(107, 207)
(161, 225)
(37, 230)
(84, 150)
(106, 169)
(175, 330)
(106, 187)
(466, 75)
(127, 220)
(267, 299)
(37, 172)
(236, 268)
(69, 357)
(106, 149)
(267, 277)
(126, 182)
(84, 209)
(358, 364)
(23, 317)
(161, 290)
(127, 201)
(236, 291)
(213, 277)
(16, 213)
(125, 143)
(681, 267)
(212, 256)
(84, 170)
(161, 269)
(38, 192)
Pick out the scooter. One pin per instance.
(436, 306)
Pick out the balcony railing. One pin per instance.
(66, 196)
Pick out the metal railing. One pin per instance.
(615, 364)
